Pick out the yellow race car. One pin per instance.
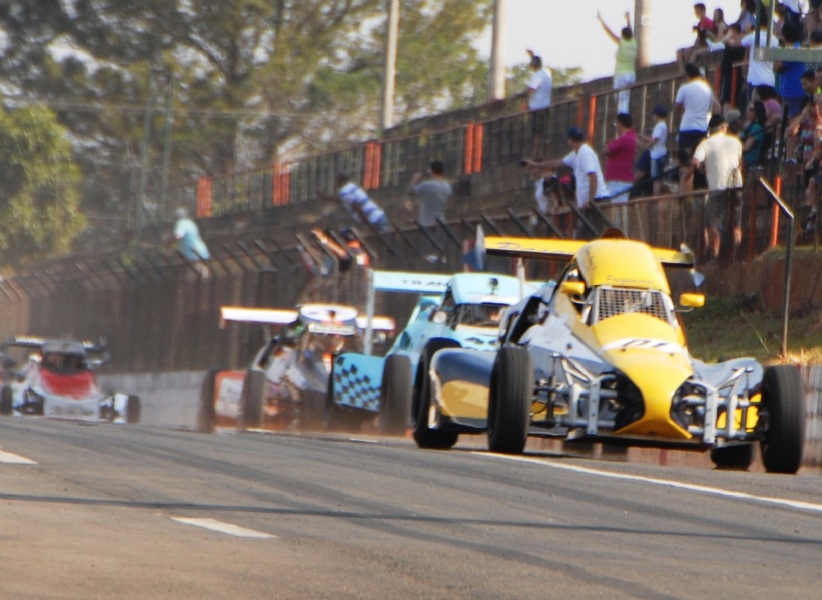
(602, 356)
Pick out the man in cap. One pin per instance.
(590, 183)
(539, 89)
(720, 155)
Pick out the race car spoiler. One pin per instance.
(564, 250)
(32, 341)
(277, 316)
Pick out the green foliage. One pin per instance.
(38, 187)
(253, 81)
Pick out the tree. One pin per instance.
(38, 187)
(254, 79)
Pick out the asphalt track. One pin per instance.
(105, 511)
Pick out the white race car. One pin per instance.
(57, 381)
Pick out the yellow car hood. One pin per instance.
(652, 354)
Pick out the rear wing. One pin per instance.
(256, 315)
(37, 342)
(564, 250)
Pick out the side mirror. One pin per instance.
(572, 288)
(438, 316)
(690, 300)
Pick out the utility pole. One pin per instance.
(496, 76)
(642, 31)
(391, 35)
(167, 141)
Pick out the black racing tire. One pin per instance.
(395, 395)
(784, 399)
(251, 400)
(736, 457)
(6, 401)
(509, 400)
(433, 439)
(133, 410)
(206, 415)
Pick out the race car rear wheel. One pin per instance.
(784, 401)
(509, 400)
(735, 458)
(133, 410)
(395, 395)
(426, 437)
(206, 415)
(6, 401)
(251, 400)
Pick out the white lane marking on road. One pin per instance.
(701, 489)
(220, 527)
(15, 459)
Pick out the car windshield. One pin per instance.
(68, 363)
(332, 343)
(480, 315)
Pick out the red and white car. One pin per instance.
(57, 381)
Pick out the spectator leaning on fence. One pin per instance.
(354, 198)
(720, 155)
(657, 144)
(625, 70)
(189, 242)
(590, 183)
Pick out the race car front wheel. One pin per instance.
(784, 402)
(395, 396)
(426, 437)
(509, 400)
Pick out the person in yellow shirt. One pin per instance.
(625, 71)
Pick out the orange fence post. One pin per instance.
(376, 174)
(285, 184)
(478, 132)
(592, 118)
(718, 83)
(276, 192)
(204, 199)
(366, 178)
(468, 152)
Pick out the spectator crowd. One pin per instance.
(761, 110)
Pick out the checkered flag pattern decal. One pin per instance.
(357, 381)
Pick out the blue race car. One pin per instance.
(465, 314)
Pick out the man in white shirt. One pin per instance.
(590, 182)
(720, 155)
(540, 87)
(694, 101)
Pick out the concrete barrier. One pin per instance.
(169, 400)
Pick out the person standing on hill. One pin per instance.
(625, 71)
